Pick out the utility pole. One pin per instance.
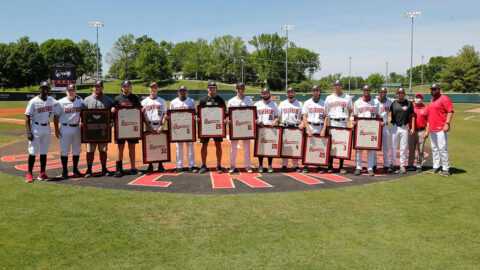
(287, 27)
(349, 72)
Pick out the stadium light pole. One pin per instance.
(287, 27)
(412, 15)
(349, 71)
(97, 24)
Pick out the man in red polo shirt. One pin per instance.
(439, 118)
(416, 141)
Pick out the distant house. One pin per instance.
(177, 75)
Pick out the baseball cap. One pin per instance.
(337, 82)
(435, 86)
(290, 89)
(182, 87)
(126, 82)
(366, 87)
(44, 84)
(239, 84)
(98, 83)
(316, 87)
(211, 83)
(419, 95)
(400, 90)
(71, 87)
(153, 84)
(264, 90)
(383, 89)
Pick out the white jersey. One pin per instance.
(337, 107)
(40, 111)
(384, 108)
(291, 112)
(155, 109)
(69, 111)
(236, 102)
(367, 109)
(177, 104)
(315, 111)
(266, 113)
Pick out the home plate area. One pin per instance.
(14, 161)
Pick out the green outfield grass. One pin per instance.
(418, 222)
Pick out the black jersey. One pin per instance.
(209, 101)
(126, 101)
(401, 112)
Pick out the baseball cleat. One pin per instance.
(192, 169)
(357, 172)
(219, 169)
(232, 170)
(270, 169)
(77, 173)
(297, 169)
(343, 171)
(260, 169)
(150, 168)
(284, 169)
(88, 174)
(305, 169)
(434, 170)
(42, 176)
(320, 170)
(118, 174)
(445, 173)
(29, 178)
(107, 172)
(64, 176)
(160, 168)
(249, 170)
(402, 170)
(370, 172)
(204, 169)
(419, 170)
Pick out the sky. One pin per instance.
(370, 32)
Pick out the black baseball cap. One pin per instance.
(98, 83)
(337, 82)
(126, 82)
(182, 87)
(264, 90)
(211, 83)
(383, 89)
(71, 87)
(316, 87)
(401, 90)
(435, 86)
(290, 89)
(366, 87)
(44, 84)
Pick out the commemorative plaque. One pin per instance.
(181, 125)
(316, 150)
(211, 123)
(242, 126)
(268, 142)
(368, 133)
(128, 123)
(340, 142)
(292, 142)
(96, 126)
(156, 147)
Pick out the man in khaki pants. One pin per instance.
(416, 141)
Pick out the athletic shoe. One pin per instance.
(191, 169)
(419, 170)
(320, 170)
(135, 171)
(374, 168)
(179, 170)
(77, 173)
(389, 170)
(219, 169)
(118, 174)
(357, 172)
(270, 169)
(107, 172)
(64, 175)
(370, 172)
(88, 174)
(297, 169)
(232, 170)
(203, 169)
(29, 178)
(150, 168)
(445, 173)
(160, 168)
(260, 169)
(402, 170)
(284, 169)
(385, 169)
(43, 177)
(305, 169)
(343, 171)
(434, 170)
(249, 170)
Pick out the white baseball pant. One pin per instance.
(386, 145)
(399, 136)
(71, 137)
(334, 123)
(370, 158)
(190, 154)
(41, 140)
(246, 152)
(439, 140)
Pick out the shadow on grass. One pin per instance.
(457, 171)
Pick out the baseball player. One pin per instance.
(365, 107)
(38, 114)
(401, 112)
(439, 119)
(291, 113)
(384, 104)
(211, 100)
(155, 109)
(240, 100)
(97, 100)
(340, 112)
(127, 99)
(315, 117)
(267, 115)
(416, 141)
(182, 102)
(67, 112)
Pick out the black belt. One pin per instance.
(419, 129)
(286, 125)
(339, 119)
(72, 125)
(154, 123)
(41, 124)
(314, 124)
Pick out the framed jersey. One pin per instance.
(128, 123)
(340, 142)
(268, 142)
(316, 150)
(211, 123)
(181, 125)
(368, 133)
(96, 126)
(156, 147)
(242, 123)
(292, 142)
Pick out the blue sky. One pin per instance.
(371, 32)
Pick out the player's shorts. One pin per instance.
(131, 141)
(102, 147)
(206, 140)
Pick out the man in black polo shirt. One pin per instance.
(126, 99)
(401, 112)
(211, 100)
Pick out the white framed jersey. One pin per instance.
(291, 112)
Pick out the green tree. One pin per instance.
(61, 51)
(434, 67)
(89, 63)
(196, 59)
(269, 58)
(122, 57)
(301, 63)
(178, 54)
(375, 80)
(5, 50)
(462, 72)
(152, 63)
(226, 61)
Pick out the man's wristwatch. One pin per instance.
(447, 123)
